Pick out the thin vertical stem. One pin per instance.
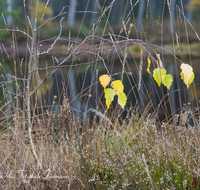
(28, 94)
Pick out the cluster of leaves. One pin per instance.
(161, 77)
(117, 89)
(159, 74)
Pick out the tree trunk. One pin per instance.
(122, 4)
(9, 9)
(51, 4)
(140, 14)
(154, 10)
(113, 17)
(189, 12)
(94, 15)
(172, 8)
(72, 14)
(118, 11)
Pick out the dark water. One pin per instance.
(84, 90)
(81, 86)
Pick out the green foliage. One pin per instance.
(194, 5)
(4, 34)
(15, 13)
(160, 76)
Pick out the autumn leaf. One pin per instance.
(167, 81)
(109, 96)
(122, 99)
(187, 74)
(104, 80)
(191, 79)
(117, 86)
(159, 75)
(117, 89)
(149, 63)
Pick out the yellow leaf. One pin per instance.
(109, 96)
(149, 63)
(117, 86)
(104, 80)
(122, 99)
(187, 73)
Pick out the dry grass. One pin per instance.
(45, 143)
(101, 157)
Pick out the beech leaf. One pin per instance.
(109, 96)
(122, 99)
(187, 74)
(117, 86)
(104, 80)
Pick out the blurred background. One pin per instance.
(170, 24)
(88, 11)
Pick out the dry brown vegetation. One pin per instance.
(54, 146)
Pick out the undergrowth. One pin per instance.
(54, 138)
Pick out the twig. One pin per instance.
(47, 51)
(28, 95)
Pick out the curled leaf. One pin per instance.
(149, 63)
(104, 80)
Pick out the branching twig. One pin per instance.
(52, 45)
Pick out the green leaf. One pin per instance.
(109, 96)
(167, 81)
(117, 86)
(122, 99)
(159, 75)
